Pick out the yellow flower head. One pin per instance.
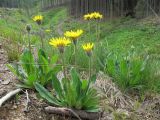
(60, 43)
(88, 47)
(97, 15)
(74, 34)
(87, 17)
(94, 15)
(48, 30)
(38, 19)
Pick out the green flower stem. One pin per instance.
(18, 49)
(29, 41)
(89, 29)
(90, 65)
(99, 30)
(90, 73)
(41, 37)
(63, 65)
(42, 43)
(75, 50)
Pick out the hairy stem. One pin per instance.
(41, 37)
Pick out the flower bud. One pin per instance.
(28, 28)
(39, 22)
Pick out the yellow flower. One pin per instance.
(94, 15)
(74, 35)
(97, 15)
(48, 30)
(88, 48)
(38, 19)
(60, 43)
(87, 17)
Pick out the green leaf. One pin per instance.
(57, 86)
(84, 84)
(42, 53)
(76, 82)
(56, 69)
(23, 86)
(12, 69)
(46, 95)
(32, 78)
(27, 62)
(54, 59)
(75, 77)
(43, 65)
(93, 78)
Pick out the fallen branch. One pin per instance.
(73, 113)
(8, 96)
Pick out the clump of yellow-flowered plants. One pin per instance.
(94, 16)
(72, 36)
(70, 91)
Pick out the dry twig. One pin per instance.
(9, 95)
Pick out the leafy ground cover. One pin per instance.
(123, 37)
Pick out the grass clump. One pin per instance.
(130, 72)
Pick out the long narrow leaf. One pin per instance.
(46, 94)
(57, 86)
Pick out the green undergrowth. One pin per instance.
(121, 36)
(13, 28)
(117, 36)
